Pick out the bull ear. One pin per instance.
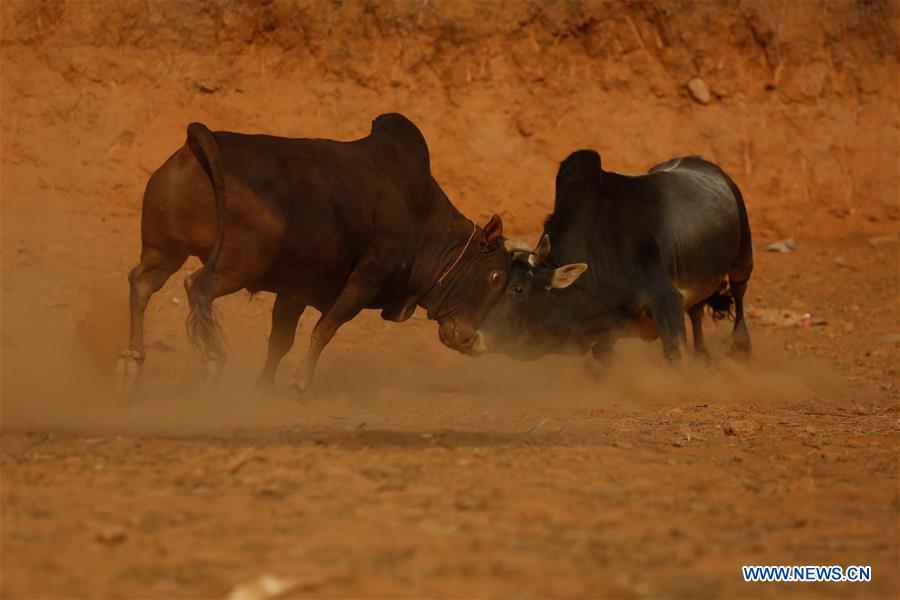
(542, 250)
(492, 234)
(566, 275)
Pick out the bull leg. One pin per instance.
(602, 350)
(145, 279)
(696, 314)
(667, 311)
(740, 337)
(353, 298)
(285, 316)
(203, 329)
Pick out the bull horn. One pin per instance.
(522, 255)
(517, 246)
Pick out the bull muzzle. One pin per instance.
(461, 339)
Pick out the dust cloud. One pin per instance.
(58, 374)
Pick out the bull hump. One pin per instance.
(581, 162)
(392, 120)
(398, 129)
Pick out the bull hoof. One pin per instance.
(673, 357)
(740, 352)
(127, 370)
(265, 384)
(211, 367)
(598, 370)
(299, 386)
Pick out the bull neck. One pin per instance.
(450, 245)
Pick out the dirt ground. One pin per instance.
(409, 470)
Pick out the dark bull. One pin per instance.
(626, 256)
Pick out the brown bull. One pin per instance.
(340, 226)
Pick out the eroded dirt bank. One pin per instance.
(801, 110)
(413, 471)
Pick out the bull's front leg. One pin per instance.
(602, 348)
(667, 312)
(358, 292)
(285, 317)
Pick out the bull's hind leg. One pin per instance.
(145, 279)
(667, 311)
(202, 328)
(740, 337)
(696, 315)
(285, 316)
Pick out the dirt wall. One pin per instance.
(801, 106)
(410, 470)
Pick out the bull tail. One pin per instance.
(202, 327)
(199, 137)
(721, 303)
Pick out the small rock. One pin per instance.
(268, 491)
(176, 300)
(538, 426)
(391, 487)
(783, 246)
(469, 503)
(741, 426)
(206, 88)
(240, 460)
(111, 535)
(524, 129)
(782, 317)
(729, 430)
(161, 347)
(839, 261)
(699, 90)
(267, 586)
(881, 240)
